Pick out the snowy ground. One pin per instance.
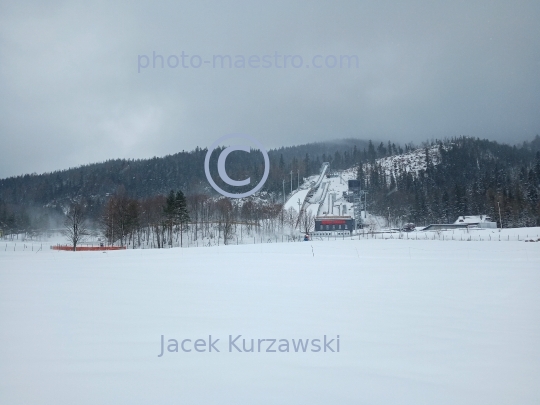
(473, 234)
(420, 322)
(292, 202)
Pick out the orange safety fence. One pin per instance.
(88, 248)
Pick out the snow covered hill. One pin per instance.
(411, 162)
(419, 322)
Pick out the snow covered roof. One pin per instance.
(326, 217)
(472, 219)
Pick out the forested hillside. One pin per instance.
(26, 202)
(432, 184)
(464, 176)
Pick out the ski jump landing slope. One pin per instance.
(303, 193)
(419, 322)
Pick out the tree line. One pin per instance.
(166, 221)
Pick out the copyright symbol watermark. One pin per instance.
(221, 165)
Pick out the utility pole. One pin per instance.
(365, 204)
(283, 192)
(299, 204)
(291, 181)
(500, 219)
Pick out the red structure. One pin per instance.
(333, 222)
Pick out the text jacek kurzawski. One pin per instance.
(239, 344)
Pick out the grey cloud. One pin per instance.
(70, 92)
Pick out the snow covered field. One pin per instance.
(419, 322)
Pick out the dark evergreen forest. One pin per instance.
(473, 177)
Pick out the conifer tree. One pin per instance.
(181, 212)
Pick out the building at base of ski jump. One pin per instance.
(333, 224)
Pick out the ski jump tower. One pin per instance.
(358, 197)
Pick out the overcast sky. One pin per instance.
(71, 92)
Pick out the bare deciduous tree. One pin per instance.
(306, 221)
(291, 217)
(225, 218)
(75, 225)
